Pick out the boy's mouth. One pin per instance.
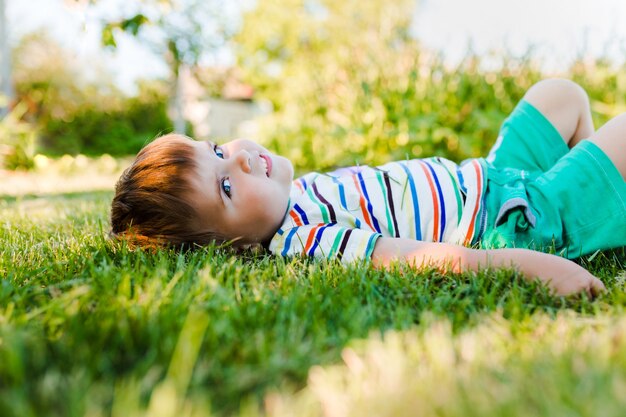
(268, 164)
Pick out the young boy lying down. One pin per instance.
(550, 181)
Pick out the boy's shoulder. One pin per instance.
(410, 167)
(404, 164)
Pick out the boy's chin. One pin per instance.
(287, 166)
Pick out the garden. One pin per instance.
(92, 327)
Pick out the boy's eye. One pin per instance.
(218, 151)
(226, 186)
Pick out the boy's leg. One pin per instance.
(611, 138)
(578, 206)
(552, 118)
(566, 105)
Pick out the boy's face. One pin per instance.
(240, 189)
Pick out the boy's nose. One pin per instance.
(242, 159)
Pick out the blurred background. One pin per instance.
(86, 83)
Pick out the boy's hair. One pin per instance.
(150, 208)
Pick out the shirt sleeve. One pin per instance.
(325, 241)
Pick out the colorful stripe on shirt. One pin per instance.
(298, 215)
(329, 207)
(479, 187)
(362, 203)
(315, 236)
(385, 188)
(453, 183)
(416, 208)
(341, 215)
(439, 214)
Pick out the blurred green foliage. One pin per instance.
(118, 126)
(17, 140)
(77, 109)
(350, 85)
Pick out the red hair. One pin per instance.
(150, 208)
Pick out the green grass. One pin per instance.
(88, 327)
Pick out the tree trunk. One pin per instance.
(6, 89)
(172, 57)
(179, 117)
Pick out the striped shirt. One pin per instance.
(342, 213)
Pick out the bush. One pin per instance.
(17, 141)
(79, 115)
(350, 85)
(415, 109)
(95, 130)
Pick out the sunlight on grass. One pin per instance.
(63, 175)
(541, 366)
(91, 328)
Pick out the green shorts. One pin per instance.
(544, 196)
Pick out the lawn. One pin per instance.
(88, 327)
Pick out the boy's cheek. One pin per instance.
(257, 198)
(264, 201)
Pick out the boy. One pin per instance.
(531, 191)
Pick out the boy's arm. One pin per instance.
(564, 277)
